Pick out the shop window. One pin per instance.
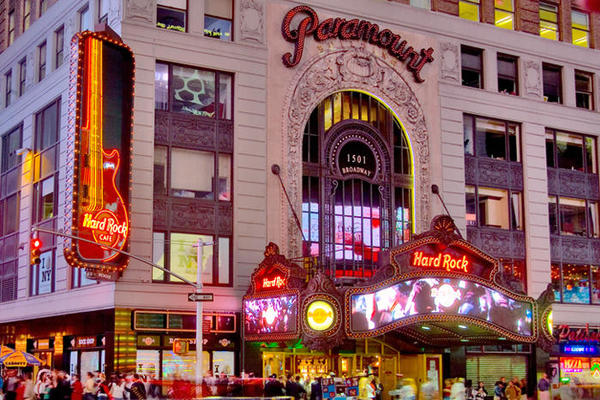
(11, 27)
(7, 88)
(22, 76)
(549, 21)
(507, 74)
(42, 274)
(59, 46)
(171, 14)
(571, 151)
(44, 6)
(179, 254)
(552, 83)
(595, 284)
(580, 24)
(26, 14)
(218, 19)
(495, 208)
(426, 4)
(471, 67)
(193, 91)
(504, 14)
(41, 61)
(103, 8)
(568, 216)
(469, 9)
(571, 283)
(491, 138)
(85, 19)
(584, 90)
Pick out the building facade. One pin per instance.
(494, 102)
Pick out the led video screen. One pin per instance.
(271, 315)
(446, 296)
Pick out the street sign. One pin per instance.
(101, 275)
(200, 297)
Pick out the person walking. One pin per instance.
(544, 387)
(28, 394)
(76, 388)
(137, 391)
(89, 387)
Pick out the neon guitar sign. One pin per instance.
(101, 151)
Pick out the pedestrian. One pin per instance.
(457, 392)
(137, 391)
(480, 392)
(103, 390)
(20, 388)
(316, 390)
(76, 388)
(273, 387)
(89, 387)
(293, 387)
(28, 394)
(544, 387)
(499, 390)
(512, 392)
(469, 392)
(10, 385)
(524, 389)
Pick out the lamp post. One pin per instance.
(199, 356)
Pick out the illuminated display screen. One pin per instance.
(447, 296)
(271, 315)
(580, 370)
(102, 151)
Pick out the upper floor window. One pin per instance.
(580, 23)
(7, 88)
(43, 6)
(471, 67)
(571, 151)
(26, 14)
(469, 9)
(194, 91)
(426, 4)
(42, 274)
(11, 142)
(507, 74)
(584, 90)
(218, 19)
(59, 42)
(504, 14)
(549, 21)
(492, 207)
(569, 216)
(11, 27)
(552, 83)
(41, 61)
(171, 14)
(85, 19)
(103, 6)
(485, 137)
(22, 76)
(573, 283)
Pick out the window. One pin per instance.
(552, 83)
(179, 255)
(11, 27)
(103, 7)
(515, 269)
(569, 216)
(571, 283)
(469, 9)
(7, 88)
(426, 4)
(171, 14)
(42, 275)
(22, 76)
(571, 151)
(495, 208)
(85, 19)
(507, 74)
(504, 14)
(80, 279)
(41, 61)
(59, 41)
(218, 19)
(471, 67)
(43, 6)
(584, 90)
(193, 91)
(492, 138)
(580, 23)
(549, 21)
(26, 14)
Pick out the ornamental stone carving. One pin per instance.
(450, 56)
(140, 9)
(351, 68)
(252, 21)
(533, 78)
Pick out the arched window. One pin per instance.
(357, 183)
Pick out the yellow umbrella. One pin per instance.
(4, 350)
(19, 359)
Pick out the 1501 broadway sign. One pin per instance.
(352, 29)
(100, 127)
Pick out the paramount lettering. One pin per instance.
(353, 29)
(443, 261)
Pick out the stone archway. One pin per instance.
(352, 68)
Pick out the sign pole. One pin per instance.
(199, 366)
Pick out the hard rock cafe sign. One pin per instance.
(349, 29)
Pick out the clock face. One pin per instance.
(320, 315)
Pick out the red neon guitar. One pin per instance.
(102, 214)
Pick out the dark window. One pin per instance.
(584, 90)
(103, 7)
(491, 207)
(569, 216)
(26, 14)
(492, 138)
(43, 6)
(571, 151)
(59, 39)
(171, 14)
(507, 74)
(571, 283)
(7, 88)
(552, 83)
(11, 142)
(41, 61)
(11, 27)
(218, 19)
(22, 76)
(471, 67)
(85, 20)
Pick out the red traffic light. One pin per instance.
(36, 243)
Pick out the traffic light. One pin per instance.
(36, 250)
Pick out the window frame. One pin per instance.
(230, 20)
(43, 7)
(590, 232)
(85, 10)
(11, 27)
(503, 10)
(22, 76)
(183, 11)
(561, 266)
(587, 29)
(102, 18)
(507, 151)
(590, 94)
(473, 51)
(550, 8)
(59, 46)
(476, 3)
(584, 156)
(508, 58)
(559, 70)
(7, 88)
(35, 270)
(509, 194)
(42, 60)
(26, 14)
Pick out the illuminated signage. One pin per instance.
(573, 364)
(357, 158)
(578, 349)
(320, 315)
(276, 282)
(566, 333)
(271, 315)
(100, 124)
(352, 29)
(443, 261)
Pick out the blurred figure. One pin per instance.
(89, 387)
(293, 387)
(428, 390)
(544, 387)
(137, 390)
(28, 392)
(273, 387)
(513, 392)
(480, 392)
(76, 388)
(117, 388)
(316, 390)
(469, 392)
(457, 392)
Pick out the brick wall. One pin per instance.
(445, 6)
(528, 16)
(595, 31)
(3, 24)
(487, 11)
(17, 6)
(564, 21)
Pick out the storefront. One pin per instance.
(85, 354)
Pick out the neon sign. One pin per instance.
(576, 365)
(100, 124)
(443, 261)
(276, 282)
(320, 315)
(565, 333)
(579, 349)
(352, 29)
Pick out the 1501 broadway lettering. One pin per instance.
(352, 29)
